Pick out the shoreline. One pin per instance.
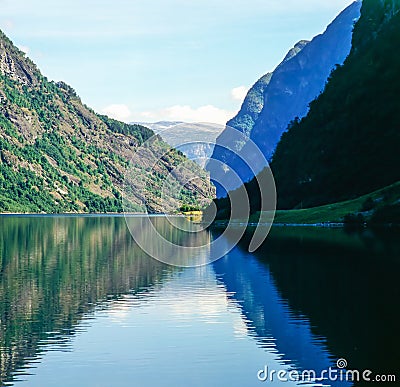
(217, 223)
(82, 214)
(73, 214)
(224, 223)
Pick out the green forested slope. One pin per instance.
(348, 144)
(58, 155)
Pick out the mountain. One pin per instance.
(194, 140)
(58, 155)
(253, 104)
(158, 126)
(348, 144)
(280, 97)
(341, 161)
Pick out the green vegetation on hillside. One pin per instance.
(348, 144)
(58, 155)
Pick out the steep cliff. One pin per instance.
(284, 95)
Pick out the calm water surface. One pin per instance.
(82, 305)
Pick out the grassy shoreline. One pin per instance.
(361, 210)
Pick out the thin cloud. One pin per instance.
(119, 112)
(239, 93)
(186, 113)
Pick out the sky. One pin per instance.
(152, 60)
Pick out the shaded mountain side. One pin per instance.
(279, 97)
(255, 99)
(304, 77)
(58, 155)
(348, 144)
(251, 107)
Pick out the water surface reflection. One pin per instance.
(345, 284)
(80, 299)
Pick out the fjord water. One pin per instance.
(82, 305)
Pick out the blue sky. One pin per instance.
(150, 60)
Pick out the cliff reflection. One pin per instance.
(316, 295)
(347, 284)
(172, 239)
(54, 270)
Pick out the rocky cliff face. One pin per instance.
(15, 64)
(278, 98)
(58, 155)
(253, 103)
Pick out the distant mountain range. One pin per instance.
(159, 125)
(284, 95)
(195, 140)
(58, 155)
